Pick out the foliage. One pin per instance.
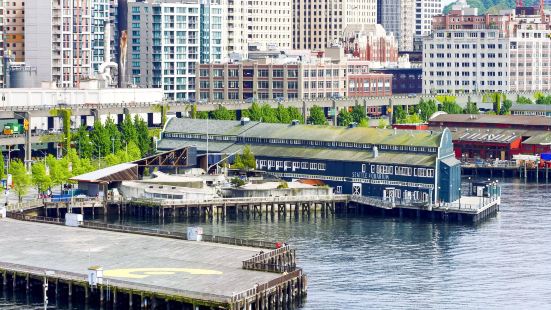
(427, 108)
(538, 95)
(21, 180)
(59, 170)
(344, 118)
(358, 114)
(237, 182)
(65, 115)
(363, 123)
(40, 178)
(413, 119)
(471, 108)
(84, 143)
(317, 116)
(383, 123)
(144, 141)
(445, 98)
(163, 109)
(101, 141)
(2, 169)
(283, 185)
(114, 134)
(245, 161)
(295, 114)
(506, 107)
(282, 115)
(524, 100)
(543, 100)
(202, 115)
(450, 107)
(222, 113)
(254, 113)
(128, 130)
(399, 115)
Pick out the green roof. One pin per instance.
(413, 159)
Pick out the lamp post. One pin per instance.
(460, 198)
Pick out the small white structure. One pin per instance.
(95, 275)
(195, 233)
(73, 219)
(2, 212)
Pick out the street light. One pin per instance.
(460, 198)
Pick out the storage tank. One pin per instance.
(22, 76)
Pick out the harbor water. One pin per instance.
(390, 263)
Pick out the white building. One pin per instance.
(168, 39)
(64, 39)
(467, 52)
(237, 27)
(425, 10)
(270, 24)
(320, 23)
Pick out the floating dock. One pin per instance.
(144, 271)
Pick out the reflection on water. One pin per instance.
(376, 262)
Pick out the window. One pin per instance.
(313, 166)
(304, 165)
(321, 166)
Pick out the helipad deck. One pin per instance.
(196, 270)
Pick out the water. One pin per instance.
(388, 263)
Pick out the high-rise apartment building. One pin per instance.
(237, 27)
(270, 24)
(467, 52)
(14, 29)
(63, 38)
(320, 23)
(425, 10)
(168, 39)
(398, 18)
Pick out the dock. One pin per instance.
(146, 271)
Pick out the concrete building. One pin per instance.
(364, 83)
(270, 24)
(370, 42)
(412, 166)
(64, 40)
(425, 10)
(167, 41)
(320, 23)
(14, 29)
(467, 52)
(273, 78)
(398, 18)
(237, 28)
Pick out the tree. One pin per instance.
(115, 136)
(245, 161)
(128, 130)
(523, 100)
(21, 180)
(358, 113)
(471, 108)
(59, 170)
(133, 151)
(413, 119)
(543, 100)
(383, 123)
(2, 170)
(254, 113)
(144, 141)
(268, 114)
(344, 118)
(399, 115)
(237, 182)
(363, 123)
(317, 116)
(40, 178)
(282, 115)
(295, 114)
(222, 113)
(427, 108)
(451, 107)
(83, 143)
(101, 141)
(202, 115)
(506, 107)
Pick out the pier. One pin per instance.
(146, 271)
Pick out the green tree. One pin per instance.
(363, 123)
(471, 108)
(144, 141)
(268, 114)
(358, 113)
(245, 161)
(2, 169)
(59, 170)
(115, 136)
(383, 123)
(295, 114)
(282, 115)
(222, 113)
(506, 107)
(524, 100)
(426, 108)
(114, 159)
(399, 115)
(101, 141)
(413, 119)
(450, 107)
(344, 118)
(254, 113)
(317, 116)
(128, 130)
(21, 180)
(83, 143)
(133, 151)
(543, 100)
(40, 178)
(202, 115)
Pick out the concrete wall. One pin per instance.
(38, 38)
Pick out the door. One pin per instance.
(356, 189)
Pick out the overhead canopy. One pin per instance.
(120, 172)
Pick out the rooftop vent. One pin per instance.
(295, 122)
(375, 152)
(353, 125)
(395, 131)
(245, 120)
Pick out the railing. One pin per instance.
(38, 219)
(244, 295)
(244, 200)
(489, 163)
(372, 201)
(27, 205)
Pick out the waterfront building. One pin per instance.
(398, 18)
(14, 29)
(320, 23)
(169, 39)
(467, 52)
(64, 40)
(416, 166)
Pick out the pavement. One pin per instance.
(198, 267)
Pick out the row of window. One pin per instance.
(291, 165)
(403, 171)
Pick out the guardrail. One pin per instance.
(279, 260)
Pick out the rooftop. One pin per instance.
(514, 120)
(120, 172)
(541, 139)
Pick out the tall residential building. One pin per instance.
(168, 39)
(237, 27)
(467, 52)
(14, 29)
(398, 18)
(320, 23)
(425, 10)
(63, 39)
(270, 24)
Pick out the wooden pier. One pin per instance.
(146, 271)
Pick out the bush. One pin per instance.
(237, 182)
